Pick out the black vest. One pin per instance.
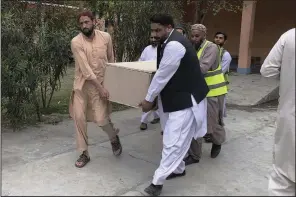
(188, 79)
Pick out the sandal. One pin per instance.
(116, 146)
(143, 126)
(82, 161)
(155, 121)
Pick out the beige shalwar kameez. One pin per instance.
(86, 104)
(281, 62)
(209, 60)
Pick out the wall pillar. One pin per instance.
(246, 36)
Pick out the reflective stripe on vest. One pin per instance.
(214, 79)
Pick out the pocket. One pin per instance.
(100, 52)
(200, 114)
(173, 129)
(171, 137)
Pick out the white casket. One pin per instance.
(128, 82)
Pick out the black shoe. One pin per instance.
(173, 175)
(190, 160)
(206, 135)
(215, 150)
(161, 133)
(116, 146)
(143, 126)
(155, 121)
(153, 190)
(208, 138)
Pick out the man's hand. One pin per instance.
(146, 105)
(104, 94)
(155, 105)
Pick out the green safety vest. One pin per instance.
(214, 79)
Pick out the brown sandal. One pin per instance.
(83, 160)
(116, 146)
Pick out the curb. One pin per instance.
(138, 190)
(133, 193)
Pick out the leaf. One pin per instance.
(33, 52)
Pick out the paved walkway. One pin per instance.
(40, 160)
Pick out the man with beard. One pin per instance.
(209, 59)
(181, 90)
(220, 39)
(91, 49)
(149, 54)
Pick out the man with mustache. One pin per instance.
(220, 39)
(91, 49)
(181, 90)
(149, 54)
(209, 58)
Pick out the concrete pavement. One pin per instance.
(40, 160)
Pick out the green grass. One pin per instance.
(61, 98)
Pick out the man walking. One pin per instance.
(220, 39)
(149, 54)
(280, 62)
(181, 90)
(91, 49)
(209, 59)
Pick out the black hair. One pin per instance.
(109, 22)
(86, 13)
(224, 34)
(183, 31)
(163, 19)
(180, 27)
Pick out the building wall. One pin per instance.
(272, 18)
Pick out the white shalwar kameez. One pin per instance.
(225, 64)
(281, 62)
(180, 126)
(149, 54)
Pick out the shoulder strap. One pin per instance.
(204, 45)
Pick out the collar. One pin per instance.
(202, 44)
(168, 36)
